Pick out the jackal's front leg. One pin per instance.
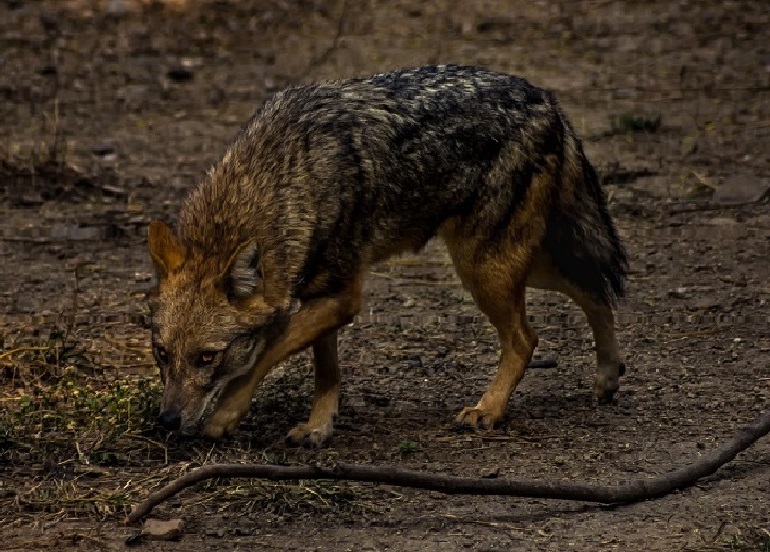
(326, 400)
(314, 324)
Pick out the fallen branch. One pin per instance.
(631, 491)
(11, 352)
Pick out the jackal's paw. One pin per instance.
(606, 384)
(477, 417)
(310, 436)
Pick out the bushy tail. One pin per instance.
(581, 238)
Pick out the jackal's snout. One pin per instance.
(170, 420)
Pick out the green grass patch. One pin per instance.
(635, 122)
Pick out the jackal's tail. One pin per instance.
(581, 238)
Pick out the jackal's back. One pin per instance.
(332, 174)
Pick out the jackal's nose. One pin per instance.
(170, 420)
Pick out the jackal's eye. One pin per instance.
(206, 358)
(161, 354)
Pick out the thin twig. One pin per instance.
(698, 208)
(326, 54)
(9, 353)
(632, 491)
(543, 363)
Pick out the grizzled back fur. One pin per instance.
(327, 176)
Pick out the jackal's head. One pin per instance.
(210, 327)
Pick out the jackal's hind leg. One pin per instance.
(609, 363)
(609, 366)
(317, 430)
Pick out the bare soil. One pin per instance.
(111, 110)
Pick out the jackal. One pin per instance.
(271, 249)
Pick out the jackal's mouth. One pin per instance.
(210, 404)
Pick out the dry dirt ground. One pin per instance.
(111, 110)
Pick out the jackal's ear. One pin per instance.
(167, 251)
(242, 276)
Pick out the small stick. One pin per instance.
(11, 352)
(631, 491)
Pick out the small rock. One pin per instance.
(678, 293)
(103, 150)
(689, 146)
(216, 96)
(741, 189)
(118, 7)
(180, 73)
(707, 302)
(30, 200)
(158, 529)
(723, 221)
(414, 364)
(112, 190)
(491, 473)
(377, 400)
(48, 70)
(142, 276)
